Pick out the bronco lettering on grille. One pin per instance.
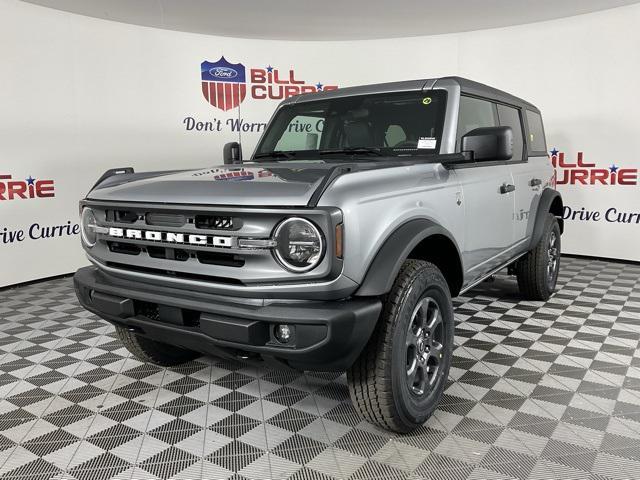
(171, 237)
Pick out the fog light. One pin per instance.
(283, 333)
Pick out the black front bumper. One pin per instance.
(327, 335)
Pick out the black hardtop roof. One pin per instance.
(467, 86)
(481, 90)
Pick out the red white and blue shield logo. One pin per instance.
(223, 83)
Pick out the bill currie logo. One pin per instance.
(225, 85)
(171, 237)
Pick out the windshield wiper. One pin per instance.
(353, 151)
(276, 154)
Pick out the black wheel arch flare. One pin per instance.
(550, 202)
(400, 244)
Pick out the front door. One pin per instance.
(488, 207)
(488, 197)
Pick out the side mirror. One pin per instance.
(232, 153)
(488, 143)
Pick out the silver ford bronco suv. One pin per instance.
(338, 245)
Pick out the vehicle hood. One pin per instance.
(274, 184)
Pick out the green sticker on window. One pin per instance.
(426, 100)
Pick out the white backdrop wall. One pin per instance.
(80, 95)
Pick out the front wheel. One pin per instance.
(537, 271)
(399, 378)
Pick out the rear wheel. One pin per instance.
(538, 270)
(399, 378)
(152, 351)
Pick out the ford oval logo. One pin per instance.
(223, 72)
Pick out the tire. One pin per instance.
(151, 351)
(537, 271)
(380, 384)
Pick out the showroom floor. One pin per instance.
(537, 390)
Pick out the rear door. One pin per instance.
(488, 208)
(526, 176)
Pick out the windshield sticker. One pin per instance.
(426, 100)
(427, 142)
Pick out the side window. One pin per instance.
(510, 117)
(474, 113)
(291, 138)
(537, 141)
(394, 135)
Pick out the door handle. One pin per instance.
(506, 188)
(535, 182)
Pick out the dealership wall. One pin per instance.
(80, 95)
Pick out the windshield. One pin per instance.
(389, 124)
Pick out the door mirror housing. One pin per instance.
(232, 153)
(488, 144)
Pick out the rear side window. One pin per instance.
(510, 117)
(474, 113)
(536, 133)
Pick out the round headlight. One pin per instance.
(299, 244)
(89, 225)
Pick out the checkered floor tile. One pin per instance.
(537, 390)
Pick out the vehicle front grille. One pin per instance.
(189, 223)
(226, 245)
